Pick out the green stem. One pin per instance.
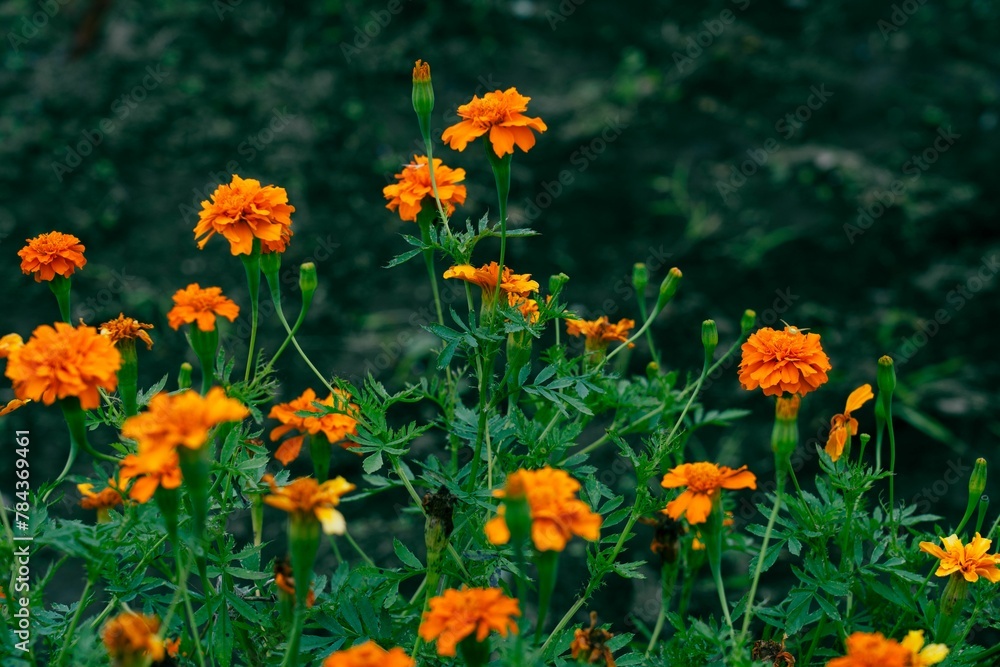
(61, 288)
(893, 519)
(815, 642)
(668, 577)
(358, 549)
(71, 632)
(778, 492)
(649, 332)
(482, 425)
(292, 652)
(251, 263)
(182, 583)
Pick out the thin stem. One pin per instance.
(291, 653)
(893, 520)
(815, 641)
(641, 298)
(778, 493)
(71, 632)
(357, 548)
(668, 577)
(252, 266)
(195, 636)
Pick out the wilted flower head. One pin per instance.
(50, 255)
(457, 614)
(306, 499)
(243, 211)
(500, 114)
(788, 361)
(970, 560)
(126, 329)
(369, 654)
(183, 419)
(193, 304)
(414, 187)
(335, 427)
(704, 482)
(590, 644)
(844, 424)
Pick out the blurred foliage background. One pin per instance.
(826, 163)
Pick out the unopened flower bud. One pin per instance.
(439, 508)
(977, 481)
(886, 375)
(557, 282)
(423, 96)
(307, 279)
(640, 277)
(709, 338)
(668, 288)
(184, 376)
(652, 370)
(748, 321)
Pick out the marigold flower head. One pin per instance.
(500, 114)
(590, 644)
(922, 656)
(458, 614)
(195, 304)
(10, 344)
(151, 468)
(866, 649)
(556, 513)
(284, 579)
(704, 482)
(844, 424)
(970, 560)
(61, 361)
(369, 654)
(125, 328)
(528, 308)
(334, 426)
(601, 332)
(182, 420)
(107, 498)
(783, 361)
(243, 211)
(773, 652)
(50, 255)
(414, 187)
(305, 498)
(132, 638)
(516, 285)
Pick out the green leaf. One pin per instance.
(406, 555)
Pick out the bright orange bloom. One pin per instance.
(500, 114)
(243, 211)
(52, 254)
(62, 361)
(132, 638)
(600, 332)
(704, 482)
(970, 559)
(843, 425)
(12, 405)
(305, 498)
(125, 328)
(866, 649)
(528, 308)
(335, 427)
(369, 654)
(556, 513)
(516, 285)
(920, 655)
(151, 468)
(108, 498)
(458, 614)
(783, 361)
(10, 344)
(591, 644)
(182, 420)
(415, 185)
(194, 304)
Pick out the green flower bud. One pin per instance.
(709, 338)
(557, 282)
(423, 96)
(308, 280)
(652, 370)
(668, 288)
(977, 481)
(748, 321)
(184, 376)
(886, 375)
(640, 277)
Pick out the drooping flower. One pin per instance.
(556, 513)
(970, 560)
(243, 211)
(601, 332)
(107, 498)
(10, 344)
(866, 649)
(61, 361)
(458, 614)
(414, 187)
(334, 426)
(126, 329)
(704, 482)
(308, 499)
(132, 639)
(515, 285)
(50, 255)
(182, 420)
(369, 654)
(590, 644)
(923, 656)
(151, 468)
(195, 304)
(783, 361)
(500, 114)
(844, 424)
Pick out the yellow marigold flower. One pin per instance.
(182, 420)
(415, 185)
(108, 498)
(50, 255)
(844, 424)
(516, 285)
(61, 361)
(528, 308)
(872, 650)
(335, 427)
(600, 332)
(704, 482)
(10, 344)
(500, 114)
(307, 498)
(783, 361)
(194, 304)
(971, 559)
(13, 405)
(125, 328)
(151, 468)
(922, 656)
(458, 614)
(590, 644)
(556, 513)
(369, 654)
(243, 211)
(132, 639)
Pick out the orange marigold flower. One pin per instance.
(334, 426)
(500, 114)
(125, 328)
(415, 185)
(866, 649)
(556, 513)
(844, 424)
(369, 654)
(704, 482)
(920, 655)
(590, 645)
(305, 498)
(457, 614)
(108, 498)
(516, 285)
(971, 559)
(183, 420)
(243, 211)
(600, 332)
(195, 304)
(285, 581)
(151, 468)
(52, 254)
(132, 639)
(783, 361)
(62, 361)
(10, 344)
(528, 308)
(13, 405)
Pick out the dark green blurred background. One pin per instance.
(653, 110)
